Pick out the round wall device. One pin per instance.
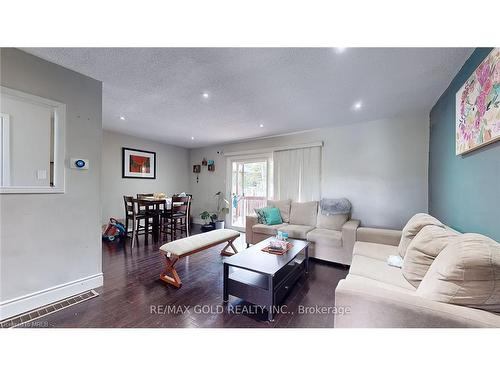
(80, 163)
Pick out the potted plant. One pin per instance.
(209, 221)
(222, 210)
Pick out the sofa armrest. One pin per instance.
(251, 220)
(349, 230)
(369, 306)
(379, 235)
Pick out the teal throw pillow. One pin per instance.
(273, 216)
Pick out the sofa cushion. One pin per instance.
(422, 251)
(325, 237)
(412, 227)
(379, 270)
(296, 231)
(374, 250)
(271, 230)
(304, 213)
(283, 206)
(334, 222)
(466, 272)
(379, 236)
(370, 283)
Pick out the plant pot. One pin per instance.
(219, 224)
(207, 227)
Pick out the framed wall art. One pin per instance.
(478, 106)
(138, 163)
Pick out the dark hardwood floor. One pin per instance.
(133, 295)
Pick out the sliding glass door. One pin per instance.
(249, 188)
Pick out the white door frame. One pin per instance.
(4, 150)
(229, 178)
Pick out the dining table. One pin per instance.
(152, 208)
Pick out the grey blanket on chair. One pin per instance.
(335, 206)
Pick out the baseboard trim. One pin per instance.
(44, 297)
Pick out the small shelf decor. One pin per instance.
(211, 165)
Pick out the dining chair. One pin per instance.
(134, 214)
(145, 195)
(142, 196)
(177, 218)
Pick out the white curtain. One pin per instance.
(297, 174)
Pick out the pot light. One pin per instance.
(192, 138)
(261, 125)
(122, 118)
(357, 106)
(205, 95)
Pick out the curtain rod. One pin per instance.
(272, 149)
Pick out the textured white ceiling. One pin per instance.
(159, 90)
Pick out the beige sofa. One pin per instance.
(332, 237)
(375, 294)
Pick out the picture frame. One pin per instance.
(477, 112)
(196, 168)
(138, 163)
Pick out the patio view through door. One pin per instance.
(249, 188)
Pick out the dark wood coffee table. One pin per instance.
(265, 279)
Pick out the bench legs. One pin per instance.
(170, 275)
(226, 248)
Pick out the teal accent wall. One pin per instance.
(464, 191)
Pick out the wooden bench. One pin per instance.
(183, 247)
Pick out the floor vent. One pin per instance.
(25, 318)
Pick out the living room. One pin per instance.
(249, 186)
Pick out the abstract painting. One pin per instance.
(138, 163)
(478, 106)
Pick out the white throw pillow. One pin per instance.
(466, 272)
(422, 251)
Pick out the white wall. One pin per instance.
(50, 244)
(380, 166)
(172, 172)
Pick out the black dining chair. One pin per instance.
(177, 217)
(135, 215)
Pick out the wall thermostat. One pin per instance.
(77, 163)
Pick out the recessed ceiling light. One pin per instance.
(357, 106)
(261, 125)
(205, 95)
(340, 49)
(122, 118)
(192, 138)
